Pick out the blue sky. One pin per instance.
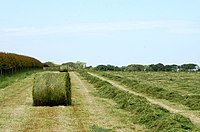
(118, 32)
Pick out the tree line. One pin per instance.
(10, 63)
(130, 68)
(153, 67)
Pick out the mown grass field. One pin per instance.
(182, 88)
(177, 92)
(102, 105)
(88, 111)
(154, 117)
(186, 83)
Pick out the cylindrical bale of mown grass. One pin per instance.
(51, 89)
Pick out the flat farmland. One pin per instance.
(182, 88)
(107, 101)
(186, 83)
(88, 112)
(177, 92)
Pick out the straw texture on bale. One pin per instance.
(51, 89)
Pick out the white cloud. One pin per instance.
(172, 26)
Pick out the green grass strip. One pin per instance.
(9, 79)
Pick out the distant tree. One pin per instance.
(134, 67)
(110, 68)
(160, 67)
(168, 68)
(101, 68)
(89, 68)
(107, 68)
(171, 67)
(175, 67)
(123, 68)
(151, 67)
(50, 64)
(118, 68)
(156, 67)
(186, 67)
(148, 68)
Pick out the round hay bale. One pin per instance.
(51, 89)
(63, 69)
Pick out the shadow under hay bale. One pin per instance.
(51, 89)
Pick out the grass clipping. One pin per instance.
(51, 89)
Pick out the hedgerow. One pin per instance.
(10, 63)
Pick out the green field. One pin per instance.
(153, 116)
(183, 88)
(107, 101)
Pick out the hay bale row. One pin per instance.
(51, 89)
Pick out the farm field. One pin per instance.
(100, 102)
(181, 88)
(100, 66)
(88, 112)
(177, 92)
(186, 83)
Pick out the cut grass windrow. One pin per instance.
(154, 117)
(191, 101)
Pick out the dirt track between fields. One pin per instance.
(186, 113)
(87, 111)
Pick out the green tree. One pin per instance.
(134, 67)
(186, 67)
